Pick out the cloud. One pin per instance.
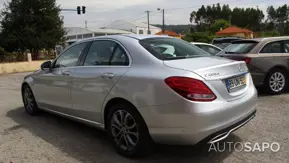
(102, 12)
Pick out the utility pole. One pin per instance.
(163, 29)
(85, 23)
(163, 21)
(148, 13)
(230, 20)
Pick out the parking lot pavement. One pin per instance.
(52, 139)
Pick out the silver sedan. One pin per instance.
(144, 90)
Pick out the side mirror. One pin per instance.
(46, 65)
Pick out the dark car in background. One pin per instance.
(223, 42)
(266, 58)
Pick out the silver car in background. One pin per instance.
(211, 49)
(140, 92)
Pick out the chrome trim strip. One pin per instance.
(96, 124)
(224, 135)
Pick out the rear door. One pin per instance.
(105, 62)
(273, 53)
(285, 57)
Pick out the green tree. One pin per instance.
(282, 15)
(31, 24)
(220, 23)
(272, 14)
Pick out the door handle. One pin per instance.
(107, 75)
(66, 73)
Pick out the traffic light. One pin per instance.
(83, 9)
(78, 10)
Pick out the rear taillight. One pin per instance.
(245, 59)
(191, 89)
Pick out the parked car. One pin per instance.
(223, 42)
(212, 49)
(266, 58)
(140, 96)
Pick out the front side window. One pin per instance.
(172, 48)
(104, 53)
(273, 47)
(70, 57)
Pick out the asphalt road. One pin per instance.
(50, 139)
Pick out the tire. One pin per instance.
(143, 144)
(29, 102)
(281, 79)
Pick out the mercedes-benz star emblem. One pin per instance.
(240, 68)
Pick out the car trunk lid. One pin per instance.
(216, 72)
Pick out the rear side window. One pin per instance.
(273, 47)
(104, 53)
(172, 48)
(240, 47)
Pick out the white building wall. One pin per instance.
(122, 25)
(145, 30)
(133, 27)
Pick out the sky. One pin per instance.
(99, 13)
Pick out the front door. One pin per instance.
(105, 63)
(53, 87)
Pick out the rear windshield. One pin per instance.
(172, 48)
(240, 47)
(223, 43)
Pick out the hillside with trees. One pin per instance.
(210, 19)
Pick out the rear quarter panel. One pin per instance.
(144, 86)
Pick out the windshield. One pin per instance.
(172, 48)
(240, 47)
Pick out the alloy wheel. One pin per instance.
(124, 130)
(277, 82)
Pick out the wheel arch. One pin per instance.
(282, 67)
(114, 101)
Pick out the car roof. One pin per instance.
(201, 43)
(263, 39)
(119, 36)
(224, 38)
(270, 38)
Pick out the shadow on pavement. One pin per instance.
(88, 144)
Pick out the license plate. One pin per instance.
(235, 82)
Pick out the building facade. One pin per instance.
(74, 34)
(134, 27)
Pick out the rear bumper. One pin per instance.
(223, 134)
(189, 123)
(258, 78)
